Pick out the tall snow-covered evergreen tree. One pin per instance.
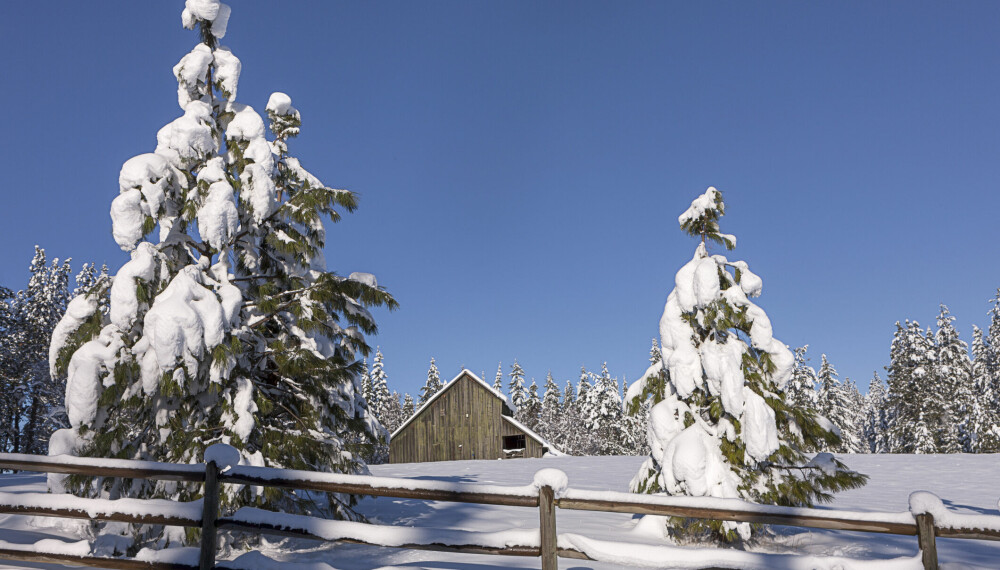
(393, 414)
(801, 388)
(720, 426)
(225, 325)
(529, 413)
(380, 396)
(876, 426)
(570, 436)
(984, 417)
(432, 385)
(910, 366)
(952, 384)
(408, 406)
(551, 413)
(836, 405)
(604, 415)
(516, 389)
(366, 382)
(31, 399)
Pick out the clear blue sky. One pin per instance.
(521, 165)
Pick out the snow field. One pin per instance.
(966, 484)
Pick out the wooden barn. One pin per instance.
(467, 419)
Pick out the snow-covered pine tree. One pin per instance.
(953, 386)
(516, 389)
(984, 418)
(654, 353)
(529, 413)
(836, 405)
(721, 427)
(432, 385)
(604, 415)
(909, 367)
(551, 411)
(379, 402)
(801, 388)
(498, 381)
(225, 325)
(570, 426)
(30, 398)
(366, 382)
(876, 426)
(393, 414)
(856, 442)
(408, 406)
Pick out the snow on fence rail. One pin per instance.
(927, 518)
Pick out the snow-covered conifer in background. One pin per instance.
(910, 367)
(225, 325)
(393, 414)
(529, 413)
(720, 427)
(836, 404)
(551, 412)
(408, 406)
(654, 353)
(432, 385)
(570, 433)
(31, 399)
(876, 424)
(604, 415)
(953, 386)
(801, 388)
(366, 382)
(498, 381)
(984, 418)
(518, 392)
(380, 395)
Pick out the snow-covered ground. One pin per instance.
(966, 483)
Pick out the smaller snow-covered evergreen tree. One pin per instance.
(837, 405)
(801, 389)
(432, 385)
(498, 381)
(516, 389)
(984, 417)
(876, 426)
(408, 406)
(551, 411)
(529, 413)
(952, 384)
(604, 416)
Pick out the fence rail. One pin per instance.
(543, 543)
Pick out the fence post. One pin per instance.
(210, 512)
(928, 544)
(547, 527)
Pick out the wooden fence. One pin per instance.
(544, 544)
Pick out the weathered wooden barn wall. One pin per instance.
(463, 422)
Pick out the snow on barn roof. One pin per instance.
(464, 372)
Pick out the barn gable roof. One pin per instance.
(464, 372)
